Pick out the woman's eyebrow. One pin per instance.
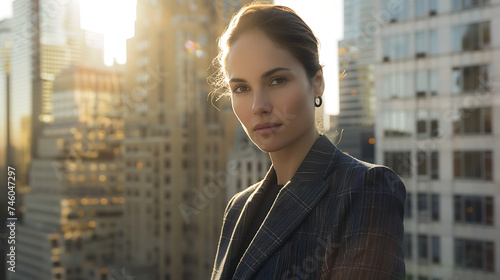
(265, 75)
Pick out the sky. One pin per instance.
(325, 17)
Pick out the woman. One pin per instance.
(318, 213)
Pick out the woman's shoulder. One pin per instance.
(350, 174)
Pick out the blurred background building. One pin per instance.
(46, 37)
(437, 126)
(5, 50)
(246, 164)
(74, 210)
(176, 142)
(355, 122)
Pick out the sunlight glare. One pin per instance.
(114, 19)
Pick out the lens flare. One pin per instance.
(194, 48)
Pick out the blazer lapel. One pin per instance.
(244, 220)
(294, 202)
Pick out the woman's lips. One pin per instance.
(268, 130)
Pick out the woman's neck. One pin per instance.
(287, 160)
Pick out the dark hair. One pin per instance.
(281, 24)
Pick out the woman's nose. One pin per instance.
(261, 102)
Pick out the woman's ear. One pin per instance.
(319, 83)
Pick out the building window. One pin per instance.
(473, 121)
(396, 47)
(420, 8)
(426, 83)
(422, 247)
(433, 41)
(399, 162)
(475, 165)
(426, 43)
(421, 83)
(420, 43)
(470, 79)
(425, 8)
(475, 254)
(433, 7)
(426, 244)
(427, 124)
(436, 255)
(457, 5)
(471, 37)
(398, 124)
(435, 207)
(407, 245)
(401, 12)
(399, 85)
(428, 207)
(428, 165)
(408, 205)
(474, 209)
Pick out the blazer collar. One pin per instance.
(294, 202)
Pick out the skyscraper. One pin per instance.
(176, 142)
(356, 95)
(437, 126)
(46, 37)
(73, 213)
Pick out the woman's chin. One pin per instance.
(267, 145)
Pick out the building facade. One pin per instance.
(74, 211)
(437, 126)
(176, 141)
(46, 37)
(356, 71)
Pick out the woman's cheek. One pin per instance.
(293, 105)
(240, 111)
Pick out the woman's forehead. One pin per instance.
(253, 53)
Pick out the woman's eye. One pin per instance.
(273, 82)
(239, 89)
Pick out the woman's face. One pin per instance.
(268, 84)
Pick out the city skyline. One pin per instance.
(326, 23)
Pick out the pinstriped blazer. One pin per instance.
(337, 218)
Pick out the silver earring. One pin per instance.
(320, 101)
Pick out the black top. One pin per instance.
(264, 207)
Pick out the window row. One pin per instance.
(471, 165)
(427, 164)
(457, 5)
(469, 253)
(465, 37)
(475, 254)
(468, 209)
(428, 248)
(475, 165)
(425, 123)
(409, 84)
(474, 209)
(407, 9)
(470, 79)
(464, 80)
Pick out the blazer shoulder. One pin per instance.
(350, 172)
